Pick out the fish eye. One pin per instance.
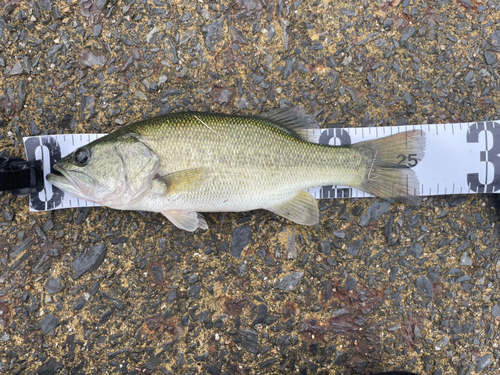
(81, 157)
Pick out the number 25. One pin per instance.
(412, 160)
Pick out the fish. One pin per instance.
(185, 163)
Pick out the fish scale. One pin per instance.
(258, 164)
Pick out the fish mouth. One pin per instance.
(59, 177)
(67, 181)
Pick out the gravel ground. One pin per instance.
(372, 287)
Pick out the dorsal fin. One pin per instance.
(293, 120)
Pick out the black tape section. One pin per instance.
(20, 176)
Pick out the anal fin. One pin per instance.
(187, 220)
(301, 209)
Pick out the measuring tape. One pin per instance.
(461, 158)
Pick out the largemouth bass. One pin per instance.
(185, 163)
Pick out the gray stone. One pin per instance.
(350, 283)
(242, 103)
(79, 304)
(45, 5)
(50, 367)
(249, 340)
(483, 362)
(415, 250)
(495, 311)
(407, 98)
(289, 64)
(317, 46)
(151, 34)
(408, 33)
(261, 314)
(53, 50)
(289, 282)
(490, 58)
(87, 108)
(340, 312)
(463, 278)
(495, 40)
(214, 33)
(325, 247)
(194, 291)
(48, 323)
(89, 260)
(93, 58)
(425, 287)
(465, 260)
(97, 30)
(171, 51)
(339, 233)
(442, 343)
(241, 238)
(354, 248)
(152, 363)
(17, 69)
(53, 284)
(469, 77)
(376, 209)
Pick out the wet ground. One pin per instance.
(372, 287)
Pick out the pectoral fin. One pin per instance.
(301, 209)
(186, 180)
(187, 220)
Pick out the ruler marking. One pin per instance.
(429, 180)
(486, 155)
(44, 188)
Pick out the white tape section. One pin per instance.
(459, 158)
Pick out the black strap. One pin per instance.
(20, 176)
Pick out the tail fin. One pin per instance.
(388, 174)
